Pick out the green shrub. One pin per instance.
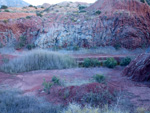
(7, 10)
(110, 63)
(82, 11)
(22, 42)
(38, 60)
(47, 86)
(31, 6)
(91, 62)
(39, 14)
(28, 17)
(143, 1)
(125, 61)
(98, 12)
(117, 46)
(56, 80)
(13, 101)
(35, 7)
(99, 78)
(82, 7)
(4, 7)
(30, 46)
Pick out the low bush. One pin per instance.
(39, 14)
(6, 10)
(99, 78)
(22, 42)
(117, 46)
(82, 7)
(30, 46)
(30, 6)
(4, 7)
(143, 1)
(125, 61)
(38, 60)
(47, 86)
(110, 63)
(98, 99)
(98, 12)
(28, 17)
(56, 80)
(91, 62)
(15, 102)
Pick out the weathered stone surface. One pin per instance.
(139, 69)
(123, 23)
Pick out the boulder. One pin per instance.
(139, 69)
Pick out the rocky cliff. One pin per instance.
(139, 69)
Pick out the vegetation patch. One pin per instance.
(4, 7)
(91, 63)
(47, 86)
(99, 78)
(14, 102)
(110, 63)
(125, 61)
(98, 12)
(38, 60)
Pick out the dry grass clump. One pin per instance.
(12, 101)
(38, 60)
(76, 108)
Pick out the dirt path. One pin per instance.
(31, 82)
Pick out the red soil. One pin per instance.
(7, 15)
(31, 82)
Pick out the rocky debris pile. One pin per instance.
(139, 69)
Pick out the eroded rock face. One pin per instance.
(139, 69)
(124, 23)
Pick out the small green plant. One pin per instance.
(110, 63)
(6, 10)
(56, 80)
(125, 61)
(117, 46)
(47, 86)
(99, 78)
(4, 7)
(35, 7)
(39, 14)
(28, 17)
(82, 7)
(30, 46)
(31, 6)
(143, 1)
(98, 12)
(82, 11)
(22, 42)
